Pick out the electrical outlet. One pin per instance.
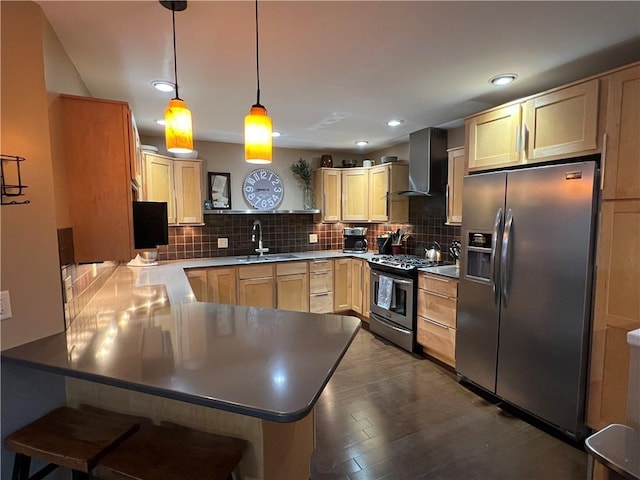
(313, 238)
(5, 305)
(223, 243)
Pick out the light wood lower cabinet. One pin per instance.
(221, 285)
(366, 291)
(437, 303)
(292, 286)
(198, 280)
(321, 286)
(342, 286)
(256, 286)
(356, 285)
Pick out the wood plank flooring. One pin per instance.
(386, 414)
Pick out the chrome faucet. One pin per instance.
(257, 226)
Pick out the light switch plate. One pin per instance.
(5, 305)
(313, 238)
(223, 243)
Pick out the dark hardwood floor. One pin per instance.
(386, 414)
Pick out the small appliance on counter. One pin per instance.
(355, 240)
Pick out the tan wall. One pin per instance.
(229, 158)
(28, 253)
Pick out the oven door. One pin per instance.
(399, 309)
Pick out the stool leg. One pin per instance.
(21, 466)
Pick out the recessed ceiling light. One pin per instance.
(163, 85)
(395, 122)
(275, 134)
(159, 121)
(361, 143)
(503, 79)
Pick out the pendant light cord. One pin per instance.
(175, 56)
(257, 59)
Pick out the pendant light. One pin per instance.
(178, 129)
(257, 125)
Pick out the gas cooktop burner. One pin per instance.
(404, 262)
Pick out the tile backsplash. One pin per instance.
(283, 233)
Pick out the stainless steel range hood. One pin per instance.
(427, 162)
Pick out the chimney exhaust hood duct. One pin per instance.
(428, 161)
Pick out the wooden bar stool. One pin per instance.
(68, 437)
(172, 452)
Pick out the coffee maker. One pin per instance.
(355, 240)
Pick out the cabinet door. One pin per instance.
(159, 183)
(621, 152)
(356, 285)
(96, 138)
(379, 193)
(188, 185)
(492, 138)
(198, 280)
(616, 311)
(355, 194)
(398, 205)
(562, 123)
(342, 284)
(328, 193)
(221, 285)
(293, 292)
(137, 158)
(454, 186)
(256, 292)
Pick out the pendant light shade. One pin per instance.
(178, 129)
(257, 136)
(258, 141)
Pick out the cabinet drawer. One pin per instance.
(438, 308)
(321, 302)
(320, 282)
(291, 268)
(321, 266)
(255, 271)
(438, 284)
(437, 340)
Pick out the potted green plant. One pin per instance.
(302, 171)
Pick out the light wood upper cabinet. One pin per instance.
(256, 286)
(98, 149)
(492, 138)
(327, 185)
(158, 183)
(188, 185)
(454, 185)
(221, 285)
(621, 152)
(355, 194)
(177, 182)
(385, 181)
(292, 286)
(342, 285)
(561, 123)
(616, 311)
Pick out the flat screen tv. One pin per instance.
(150, 224)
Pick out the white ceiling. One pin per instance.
(332, 73)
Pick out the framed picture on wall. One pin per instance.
(220, 190)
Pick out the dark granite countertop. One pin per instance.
(144, 331)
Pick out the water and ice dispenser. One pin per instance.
(479, 255)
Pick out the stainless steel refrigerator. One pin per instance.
(524, 301)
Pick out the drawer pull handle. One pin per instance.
(320, 294)
(436, 294)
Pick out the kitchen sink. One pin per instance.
(266, 258)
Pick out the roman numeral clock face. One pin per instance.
(263, 189)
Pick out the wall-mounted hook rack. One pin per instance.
(10, 179)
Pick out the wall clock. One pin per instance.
(263, 189)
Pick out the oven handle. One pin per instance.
(387, 324)
(395, 279)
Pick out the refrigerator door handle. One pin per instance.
(494, 250)
(504, 256)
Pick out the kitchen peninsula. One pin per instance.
(144, 345)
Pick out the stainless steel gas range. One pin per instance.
(394, 291)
